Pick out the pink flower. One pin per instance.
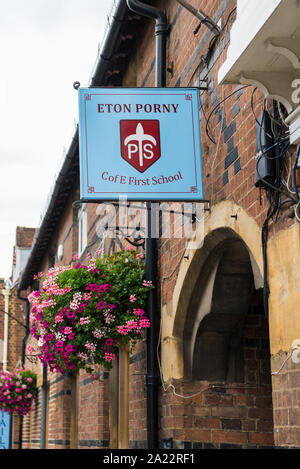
(70, 348)
(75, 303)
(98, 334)
(123, 330)
(70, 314)
(138, 311)
(132, 298)
(147, 283)
(75, 257)
(139, 256)
(108, 317)
(92, 287)
(101, 305)
(144, 322)
(84, 321)
(131, 325)
(109, 356)
(30, 348)
(90, 346)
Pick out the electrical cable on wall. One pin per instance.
(204, 19)
(277, 188)
(294, 175)
(216, 107)
(294, 355)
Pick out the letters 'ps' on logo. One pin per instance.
(140, 143)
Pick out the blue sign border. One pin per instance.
(105, 175)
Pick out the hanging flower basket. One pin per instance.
(17, 391)
(82, 313)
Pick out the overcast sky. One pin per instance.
(45, 45)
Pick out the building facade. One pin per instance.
(13, 314)
(227, 372)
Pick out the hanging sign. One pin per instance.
(140, 144)
(5, 424)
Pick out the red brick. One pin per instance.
(220, 436)
(261, 438)
(211, 399)
(212, 423)
(229, 412)
(195, 434)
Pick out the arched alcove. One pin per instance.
(215, 337)
(212, 337)
(196, 279)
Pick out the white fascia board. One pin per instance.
(251, 18)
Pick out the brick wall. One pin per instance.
(228, 166)
(137, 401)
(59, 420)
(286, 395)
(16, 332)
(93, 411)
(220, 415)
(15, 431)
(24, 236)
(225, 415)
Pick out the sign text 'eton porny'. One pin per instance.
(128, 108)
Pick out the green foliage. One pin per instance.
(83, 313)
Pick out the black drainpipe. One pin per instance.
(152, 376)
(27, 307)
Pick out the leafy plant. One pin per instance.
(17, 391)
(83, 313)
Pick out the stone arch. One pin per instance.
(227, 225)
(212, 334)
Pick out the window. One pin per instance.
(82, 229)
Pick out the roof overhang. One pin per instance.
(264, 51)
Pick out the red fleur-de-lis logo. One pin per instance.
(140, 143)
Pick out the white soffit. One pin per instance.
(264, 48)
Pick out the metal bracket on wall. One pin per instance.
(136, 241)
